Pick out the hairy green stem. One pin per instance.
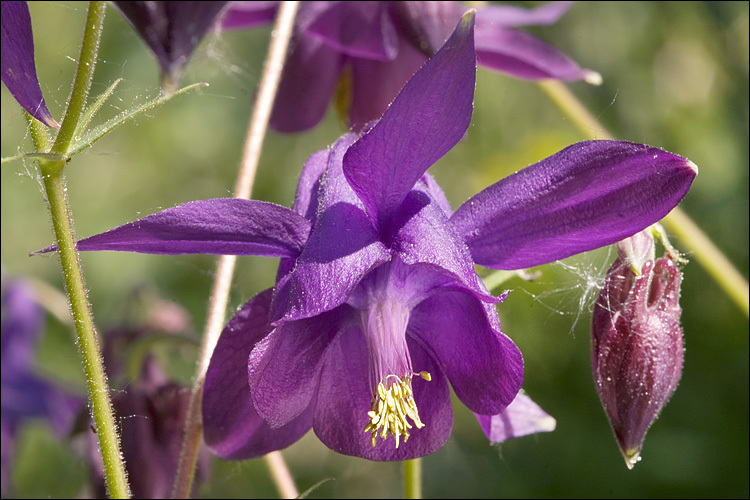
(53, 177)
(274, 64)
(84, 75)
(700, 245)
(413, 478)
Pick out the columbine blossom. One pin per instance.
(377, 308)
(18, 68)
(172, 30)
(636, 340)
(364, 52)
(25, 395)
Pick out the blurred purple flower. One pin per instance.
(150, 407)
(17, 56)
(377, 283)
(364, 52)
(25, 395)
(172, 30)
(637, 349)
(521, 418)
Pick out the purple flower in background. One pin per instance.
(637, 349)
(364, 52)
(172, 30)
(24, 394)
(521, 418)
(377, 309)
(18, 68)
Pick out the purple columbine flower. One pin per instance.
(364, 52)
(636, 341)
(18, 68)
(377, 308)
(25, 395)
(172, 30)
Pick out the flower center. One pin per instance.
(393, 406)
(390, 408)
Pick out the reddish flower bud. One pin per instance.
(637, 347)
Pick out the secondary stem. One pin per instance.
(281, 35)
(413, 478)
(700, 245)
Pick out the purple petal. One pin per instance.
(427, 25)
(240, 15)
(484, 367)
(306, 198)
(425, 121)
(342, 247)
(283, 369)
(357, 29)
(588, 195)
(522, 417)
(232, 427)
(376, 83)
(171, 29)
(524, 56)
(222, 226)
(424, 235)
(345, 397)
(510, 15)
(17, 62)
(22, 321)
(310, 76)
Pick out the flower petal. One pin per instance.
(424, 235)
(524, 56)
(588, 195)
(520, 418)
(425, 121)
(222, 226)
(484, 367)
(240, 15)
(510, 15)
(357, 29)
(376, 83)
(18, 68)
(427, 25)
(283, 369)
(342, 247)
(345, 397)
(310, 75)
(232, 427)
(172, 29)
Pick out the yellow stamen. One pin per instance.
(391, 407)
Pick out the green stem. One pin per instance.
(96, 380)
(53, 178)
(701, 247)
(413, 478)
(274, 64)
(84, 76)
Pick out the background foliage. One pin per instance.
(675, 76)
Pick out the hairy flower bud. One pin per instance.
(637, 349)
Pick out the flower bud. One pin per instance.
(637, 349)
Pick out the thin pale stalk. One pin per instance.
(274, 64)
(413, 478)
(699, 244)
(280, 475)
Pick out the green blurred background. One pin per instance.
(675, 76)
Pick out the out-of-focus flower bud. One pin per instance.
(637, 349)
